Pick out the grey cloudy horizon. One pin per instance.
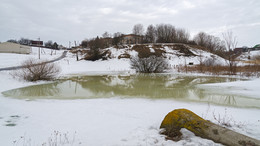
(65, 20)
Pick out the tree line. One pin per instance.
(167, 33)
(25, 41)
(161, 33)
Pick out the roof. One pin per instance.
(257, 46)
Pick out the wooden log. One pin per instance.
(183, 118)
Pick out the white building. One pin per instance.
(8, 47)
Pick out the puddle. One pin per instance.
(153, 86)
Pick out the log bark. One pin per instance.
(183, 118)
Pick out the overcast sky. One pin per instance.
(67, 20)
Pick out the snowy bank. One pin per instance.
(247, 88)
(112, 121)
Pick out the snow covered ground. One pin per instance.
(247, 88)
(11, 59)
(251, 54)
(112, 121)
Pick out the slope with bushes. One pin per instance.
(176, 54)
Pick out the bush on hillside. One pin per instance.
(150, 64)
(96, 52)
(93, 55)
(34, 70)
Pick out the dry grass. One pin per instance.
(245, 71)
(157, 46)
(182, 49)
(158, 52)
(253, 62)
(145, 52)
(199, 47)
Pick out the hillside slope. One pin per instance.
(177, 54)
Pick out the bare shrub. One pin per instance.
(223, 120)
(138, 29)
(227, 120)
(150, 64)
(34, 70)
(230, 56)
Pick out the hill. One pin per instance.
(177, 54)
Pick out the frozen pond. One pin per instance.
(160, 86)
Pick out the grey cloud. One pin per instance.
(65, 20)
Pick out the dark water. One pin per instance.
(162, 86)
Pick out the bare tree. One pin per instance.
(150, 35)
(84, 43)
(24, 41)
(106, 35)
(166, 33)
(116, 38)
(230, 43)
(138, 29)
(200, 59)
(201, 39)
(230, 40)
(182, 35)
(211, 43)
(48, 44)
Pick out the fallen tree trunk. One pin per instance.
(183, 118)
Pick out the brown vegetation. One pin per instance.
(125, 55)
(247, 70)
(255, 60)
(144, 51)
(35, 70)
(183, 49)
(97, 54)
